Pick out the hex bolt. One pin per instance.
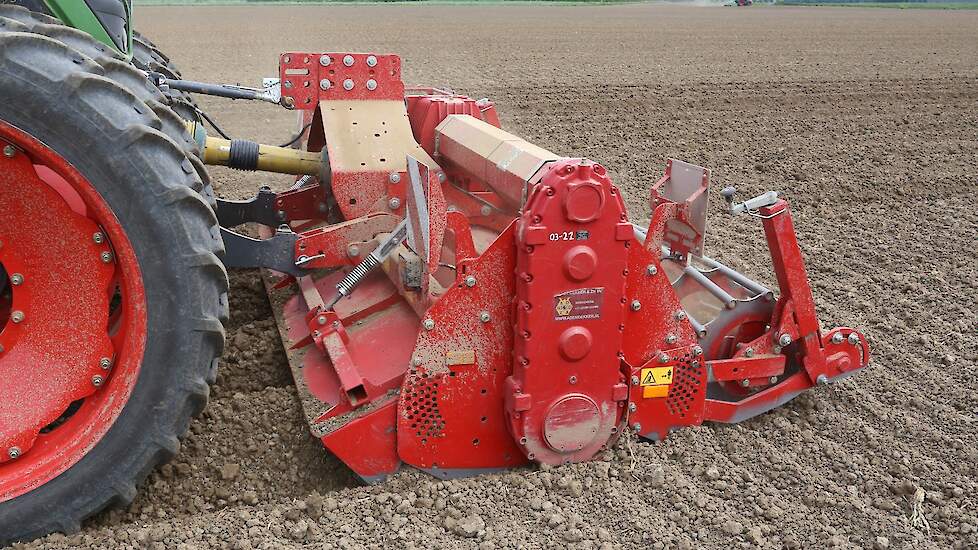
(671, 338)
(680, 315)
(637, 427)
(663, 357)
(632, 407)
(9, 151)
(416, 362)
(636, 305)
(697, 351)
(470, 281)
(17, 316)
(325, 84)
(572, 380)
(651, 269)
(484, 316)
(348, 84)
(325, 60)
(773, 380)
(371, 84)
(395, 177)
(784, 340)
(106, 257)
(98, 237)
(635, 380)
(442, 177)
(837, 338)
(348, 60)
(105, 363)
(394, 203)
(749, 352)
(97, 380)
(13, 452)
(16, 279)
(353, 251)
(822, 380)
(745, 382)
(321, 320)
(485, 210)
(429, 324)
(371, 60)
(853, 338)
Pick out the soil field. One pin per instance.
(865, 120)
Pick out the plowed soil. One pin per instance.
(865, 119)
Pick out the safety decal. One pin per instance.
(655, 381)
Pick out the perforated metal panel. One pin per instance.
(421, 400)
(686, 386)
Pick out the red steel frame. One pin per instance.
(539, 330)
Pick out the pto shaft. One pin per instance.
(249, 155)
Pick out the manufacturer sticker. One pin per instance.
(655, 381)
(583, 303)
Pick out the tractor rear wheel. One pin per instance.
(113, 295)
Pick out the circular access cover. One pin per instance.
(572, 423)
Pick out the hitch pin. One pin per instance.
(750, 205)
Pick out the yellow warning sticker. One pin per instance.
(657, 376)
(656, 381)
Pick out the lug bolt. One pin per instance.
(853, 339)
(394, 203)
(348, 60)
(371, 61)
(745, 382)
(17, 316)
(636, 305)
(395, 177)
(16, 279)
(325, 84)
(484, 317)
(371, 84)
(651, 270)
(105, 363)
(9, 151)
(680, 315)
(13, 452)
(106, 257)
(632, 407)
(99, 238)
(470, 281)
(784, 340)
(325, 60)
(429, 324)
(635, 380)
(97, 380)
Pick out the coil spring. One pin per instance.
(353, 278)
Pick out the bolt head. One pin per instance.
(697, 351)
(394, 203)
(325, 84)
(651, 270)
(97, 380)
(371, 61)
(636, 305)
(325, 60)
(784, 340)
(572, 380)
(395, 177)
(773, 380)
(9, 151)
(663, 357)
(105, 363)
(13, 452)
(348, 60)
(822, 380)
(635, 380)
(470, 281)
(853, 338)
(837, 338)
(371, 84)
(416, 362)
(637, 427)
(749, 352)
(429, 324)
(348, 84)
(16, 279)
(671, 338)
(632, 407)
(353, 251)
(745, 382)
(106, 257)
(99, 238)
(17, 316)
(484, 317)
(442, 177)
(321, 319)
(680, 315)
(485, 210)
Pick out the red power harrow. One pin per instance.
(463, 301)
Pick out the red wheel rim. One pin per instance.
(72, 315)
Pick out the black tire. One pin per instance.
(146, 56)
(64, 100)
(18, 19)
